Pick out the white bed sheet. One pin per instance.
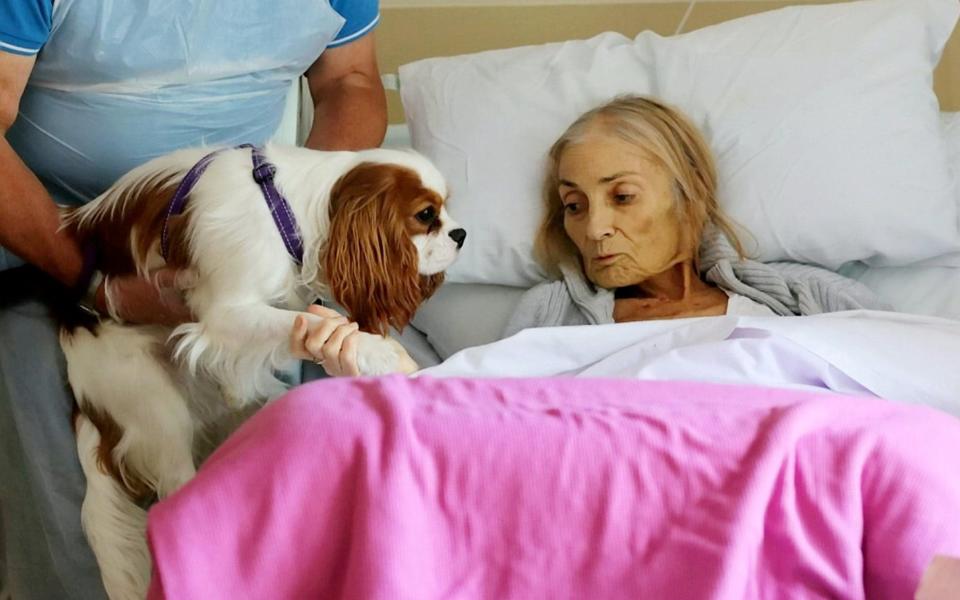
(463, 315)
(889, 355)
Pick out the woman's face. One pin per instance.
(619, 210)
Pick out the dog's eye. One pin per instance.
(427, 215)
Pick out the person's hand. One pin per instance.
(331, 342)
(154, 299)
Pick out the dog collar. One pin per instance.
(263, 173)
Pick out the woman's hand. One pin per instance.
(331, 344)
(154, 299)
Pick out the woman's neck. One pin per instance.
(676, 293)
(678, 283)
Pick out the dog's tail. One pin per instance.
(114, 525)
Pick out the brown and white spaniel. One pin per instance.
(375, 238)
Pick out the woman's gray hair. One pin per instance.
(669, 137)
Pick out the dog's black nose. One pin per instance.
(458, 236)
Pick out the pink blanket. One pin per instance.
(564, 488)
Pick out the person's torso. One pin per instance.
(120, 82)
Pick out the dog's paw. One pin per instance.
(378, 355)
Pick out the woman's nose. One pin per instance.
(599, 224)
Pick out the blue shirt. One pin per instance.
(25, 24)
(119, 82)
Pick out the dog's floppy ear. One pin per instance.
(429, 285)
(368, 259)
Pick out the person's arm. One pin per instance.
(29, 218)
(30, 225)
(350, 107)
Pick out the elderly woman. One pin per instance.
(633, 231)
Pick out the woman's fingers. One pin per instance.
(332, 350)
(332, 342)
(319, 335)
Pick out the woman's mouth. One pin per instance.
(605, 259)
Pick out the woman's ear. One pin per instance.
(370, 264)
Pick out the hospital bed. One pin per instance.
(727, 457)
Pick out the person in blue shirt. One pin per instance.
(88, 90)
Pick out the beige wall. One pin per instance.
(414, 29)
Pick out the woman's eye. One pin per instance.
(623, 198)
(572, 208)
(427, 215)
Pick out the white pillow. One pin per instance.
(823, 120)
(920, 290)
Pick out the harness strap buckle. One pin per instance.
(264, 172)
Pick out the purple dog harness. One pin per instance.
(263, 173)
